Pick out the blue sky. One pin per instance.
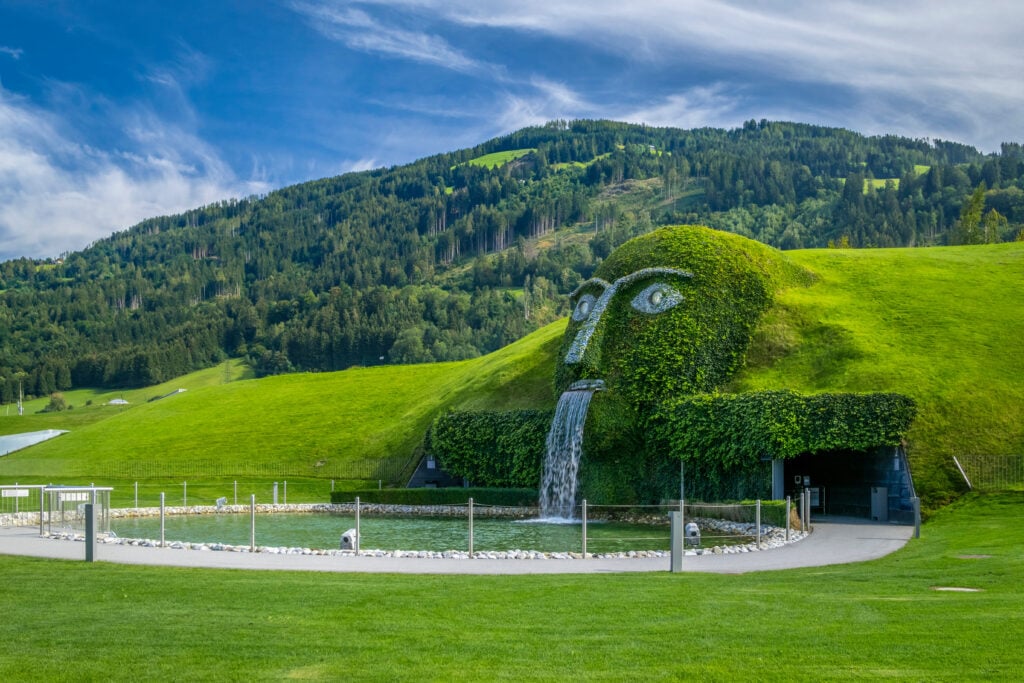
(111, 112)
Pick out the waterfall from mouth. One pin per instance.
(564, 447)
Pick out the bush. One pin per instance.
(521, 497)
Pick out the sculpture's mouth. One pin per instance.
(587, 385)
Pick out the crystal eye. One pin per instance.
(657, 298)
(583, 307)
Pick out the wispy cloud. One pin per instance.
(958, 63)
(360, 31)
(13, 52)
(58, 194)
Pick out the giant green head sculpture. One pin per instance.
(667, 314)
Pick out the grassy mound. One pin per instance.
(941, 325)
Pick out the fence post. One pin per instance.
(808, 509)
(916, 502)
(359, 532)
(41, 497)
(236, 492)
(275, 493)
(682, 513)
(471, 528)
(252, 522)
(803, 510)
(286, 492)
(162, 501)
(584, 519)
(184, 495)
(757, 518)
(787, 519)
(136, 495)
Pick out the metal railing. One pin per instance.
(992, 472)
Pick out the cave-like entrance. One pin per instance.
(874, 484)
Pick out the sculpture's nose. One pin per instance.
(586, 345)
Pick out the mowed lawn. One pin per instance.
(880, 619)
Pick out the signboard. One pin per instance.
(75, 497)
(15, 493)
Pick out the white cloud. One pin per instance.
(58, 194)
(13, 52)
(695, 108)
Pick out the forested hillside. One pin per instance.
(461, 253)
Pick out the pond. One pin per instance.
(321, 530)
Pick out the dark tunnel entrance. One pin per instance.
(874, 484)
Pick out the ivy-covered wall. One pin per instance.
(491, 448)
(727, 440)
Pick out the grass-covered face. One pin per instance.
(669, 313)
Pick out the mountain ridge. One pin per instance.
(443, 259)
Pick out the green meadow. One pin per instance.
(496, 159)
(941, 325)
(882, 619)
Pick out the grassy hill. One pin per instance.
(300, 425)
(942, 325)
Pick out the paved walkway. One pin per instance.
(833, 541)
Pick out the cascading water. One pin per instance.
(564, 447)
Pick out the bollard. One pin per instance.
(470, 508)
(275, 493)
(236, 492)
(676, 541)
(286, 492)
(162, 500)
(184, 494)
(359, 531)
(584, 519)
(90, 532)
(136, 495)
(252, 522)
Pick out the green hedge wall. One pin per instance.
(502, 449)
(739, 429)
(517, 497)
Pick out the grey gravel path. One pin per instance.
(833, 541)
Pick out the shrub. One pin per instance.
(517, 497)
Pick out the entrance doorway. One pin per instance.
(873, 484)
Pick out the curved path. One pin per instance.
(833, 541)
